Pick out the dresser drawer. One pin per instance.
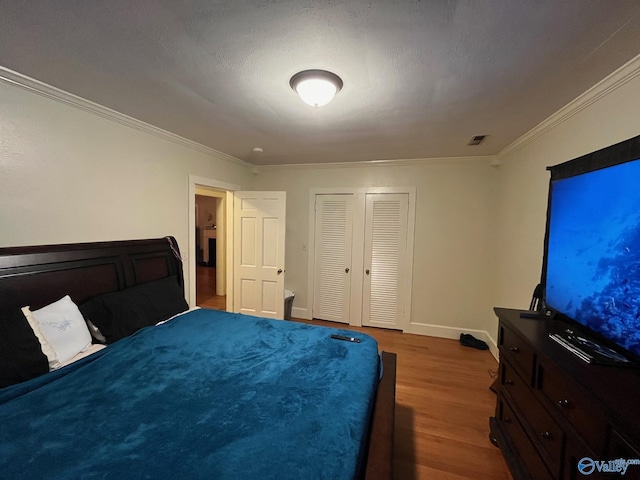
(518, 352)
(558, 409)
(528, 454)
(545, 433)
(575, 404)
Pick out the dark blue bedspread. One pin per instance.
(207, 395)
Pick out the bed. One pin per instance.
(202, 394)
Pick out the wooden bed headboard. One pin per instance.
(39, 275)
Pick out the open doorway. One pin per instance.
(261, 267)
(206, 280)
(210, 257)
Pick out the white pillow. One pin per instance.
(59, 327)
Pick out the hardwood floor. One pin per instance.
(206, 289)
(443, 404)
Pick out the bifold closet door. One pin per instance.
(385, 251)
(333, 245)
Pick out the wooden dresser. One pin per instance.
(554, 410)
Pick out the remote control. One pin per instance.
(345, 338)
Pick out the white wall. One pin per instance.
(455, 217)
(68, 175)
(479, 229)
(207, 208)
(608, 114)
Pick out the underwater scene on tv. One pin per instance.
(593, 253)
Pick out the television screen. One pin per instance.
(592, 266)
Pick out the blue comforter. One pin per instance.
(206, 395)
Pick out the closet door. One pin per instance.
(385, 260)
(333, 238)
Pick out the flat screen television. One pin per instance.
(591, 267)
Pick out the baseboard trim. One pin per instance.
(438, 331)
(299, 312)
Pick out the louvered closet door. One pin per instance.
(385, 251)
(333, 234)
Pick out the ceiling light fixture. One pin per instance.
(316, 87)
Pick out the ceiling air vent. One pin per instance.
(477, 140)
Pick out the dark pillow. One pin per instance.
(21, 356)
(119, 314)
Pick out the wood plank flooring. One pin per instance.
(206, 289)
(443, 404)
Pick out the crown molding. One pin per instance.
(407, 162)
(612, 82)
(53, 93)
(615, 80)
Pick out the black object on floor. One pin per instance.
(470, 341)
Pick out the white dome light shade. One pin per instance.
(316, 91)
(316, 87)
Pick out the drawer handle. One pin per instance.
(564, 403)
(506, 420)
(514, 349)
(508, 382)
(546, 435)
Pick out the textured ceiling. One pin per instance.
(420, 78)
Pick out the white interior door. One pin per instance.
(385, 285)
(333, 238)
(259, 230)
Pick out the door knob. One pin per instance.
(346, 270)
(367, 271)
(279, 271)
